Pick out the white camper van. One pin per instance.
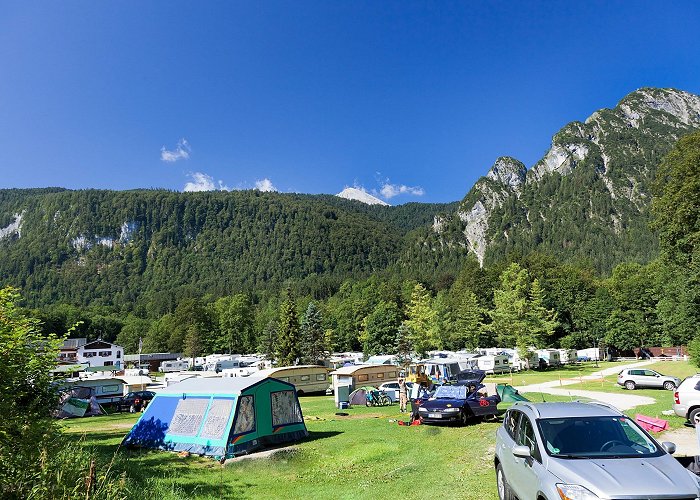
(551, 356)
(568, 356)
(306, 378)
(493, 363)
(174, 366)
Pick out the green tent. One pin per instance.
(509, 394)
(220, 417)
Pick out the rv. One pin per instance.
(568, 356)
(306, 378)
(490, 363)
(429, 372)
(357, 376)
(174, 366)
(550, 356)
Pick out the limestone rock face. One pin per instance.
(595, 179)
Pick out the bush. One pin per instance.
(694, 351)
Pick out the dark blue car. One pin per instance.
(460, 402)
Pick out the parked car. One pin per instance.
(391, 389)
(459, 403)
(584, 451)
(135, 401)
(631, 378)
(686, 399)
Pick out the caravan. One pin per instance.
(174, 366)
(306, 378)
(490, 363)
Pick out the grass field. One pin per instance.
(362, 455)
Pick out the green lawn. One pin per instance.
(365, 454)
(528, 377)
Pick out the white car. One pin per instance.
(391, 389)
(686, 399)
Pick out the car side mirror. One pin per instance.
(521, 451)
(669, 447)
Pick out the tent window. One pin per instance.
(217, 419)
(188, 416)
(245, 416)
(285, 408)
(362, 378)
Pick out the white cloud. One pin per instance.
(181, 152)
(200, 182)
(265, 185)
(389, 190)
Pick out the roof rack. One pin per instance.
(601, 403)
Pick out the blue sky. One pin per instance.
(311, 97)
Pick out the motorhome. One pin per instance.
(434, 371)
(174, 366)
(307, 379)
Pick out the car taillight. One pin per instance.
(676, 399)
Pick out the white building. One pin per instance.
(101, 353)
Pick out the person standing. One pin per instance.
(403, 394)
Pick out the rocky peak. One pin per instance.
(509, 172)
(684, 106)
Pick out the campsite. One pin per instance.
(361, 454)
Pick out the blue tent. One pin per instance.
(220, 417)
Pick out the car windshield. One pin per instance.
(595, 437)
(451, 392)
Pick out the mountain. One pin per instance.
(351, 193)
(588, 198)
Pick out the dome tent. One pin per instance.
(220, 417)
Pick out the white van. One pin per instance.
(306, 378)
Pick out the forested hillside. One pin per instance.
(154, 247)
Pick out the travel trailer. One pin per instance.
(551, 356)
(490, 363)
(357, 376)
(568, 356)
(174, 366)
(306, 378)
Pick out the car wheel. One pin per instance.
(463, 419)
(502, 484)
(694, 417)
(629, 385)
(132, 409)
(669, 386)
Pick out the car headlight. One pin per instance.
(574, 492)
(420, 408)
(451, 410)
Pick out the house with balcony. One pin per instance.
(101, 353)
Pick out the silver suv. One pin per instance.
(631, 378)
(584, 451)
(686, 400)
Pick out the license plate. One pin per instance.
(434, 415)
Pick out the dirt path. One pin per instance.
(620, 401)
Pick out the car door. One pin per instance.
(506, 443)
(525, 480)
(652, 379)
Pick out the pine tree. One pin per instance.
(313, 342)
(288, 340)
(421, 320)
(268, 340)
(468, 322)
(380, 328)
(404, 348)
